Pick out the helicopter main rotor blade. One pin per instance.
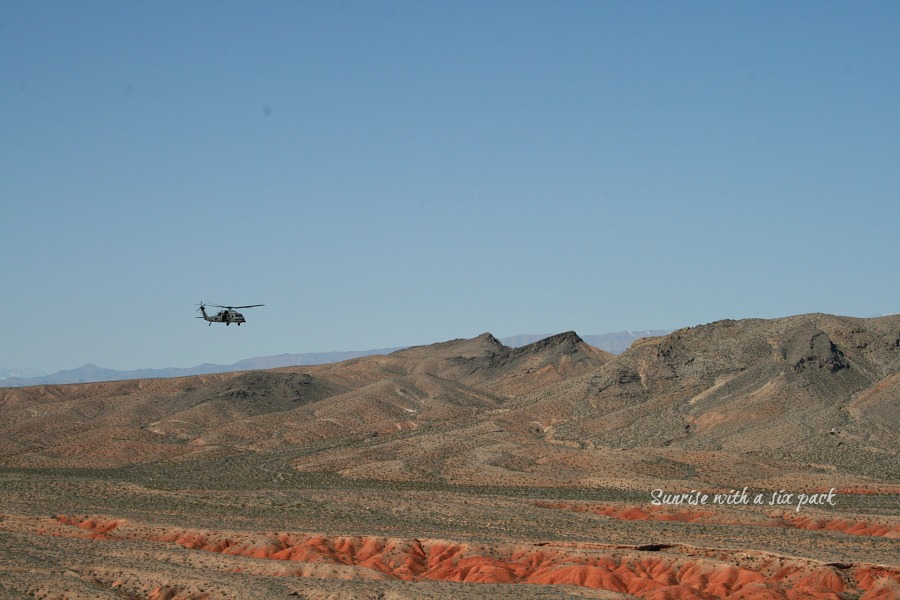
(231, 307)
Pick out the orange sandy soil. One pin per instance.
(676, 571)
(774, 519)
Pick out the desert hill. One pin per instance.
(807, 399)
(812, 388)
(113, 423)
(807, 394)
(433, 469)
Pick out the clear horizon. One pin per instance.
(400, 173)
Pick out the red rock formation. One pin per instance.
(865, 528)
(799, 521)
(681, 572)
(98, 527)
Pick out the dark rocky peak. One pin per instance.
(483, 345)
(808, 347)
(565, 342)
(488, 339)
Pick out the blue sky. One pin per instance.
(392, 173)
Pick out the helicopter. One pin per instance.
(227, 316)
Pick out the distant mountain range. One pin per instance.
(7, 372)
(615, 343)
(90, 372)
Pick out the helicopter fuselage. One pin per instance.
(227, 315)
